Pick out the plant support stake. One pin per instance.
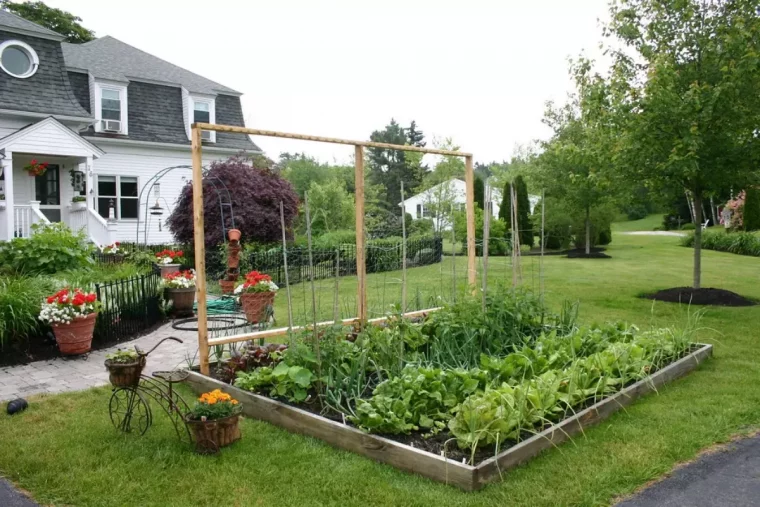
(287, 278)
(313, 290)
(403, 251)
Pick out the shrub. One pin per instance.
(51, 248)
(20, 303)
(420, 227)
(334, 239)
(255, 192)
(752, 209)
(741, 243)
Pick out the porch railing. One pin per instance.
(102, 233)
(24, 216)
(78, 221)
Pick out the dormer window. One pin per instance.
(18, 59)
(111, 110)
(203, 112)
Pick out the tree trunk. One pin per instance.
(588, 231)
(697, 240)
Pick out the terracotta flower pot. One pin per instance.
(125, 374)
(182, 299)
(234, 234)
(228, 286)
(233, 262)
(210, 436)
(168, 269)
(255, 305)
(76, 337)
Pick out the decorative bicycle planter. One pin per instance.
(129, 407)
(130, 411)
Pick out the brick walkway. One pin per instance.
(82, 372)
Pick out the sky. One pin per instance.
(476, 71)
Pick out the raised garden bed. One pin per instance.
(436, 467)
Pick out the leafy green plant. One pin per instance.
(51, 248)
(741, 243)
(123, 356)
(282, 381)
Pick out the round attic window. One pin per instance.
(18, 59)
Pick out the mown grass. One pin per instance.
(64, 450)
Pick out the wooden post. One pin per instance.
(313, 290)
(469, 178)
(200, 249)
(336, 299)
(361, 267)
(543, 240)
(403, 251)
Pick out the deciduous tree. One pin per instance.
(57, 20)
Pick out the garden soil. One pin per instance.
(704, 296)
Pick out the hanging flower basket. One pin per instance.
(35, 168)
(72, 315)
(257, 294)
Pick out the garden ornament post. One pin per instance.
(361, 269)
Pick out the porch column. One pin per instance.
(88, 171)
(7, 166)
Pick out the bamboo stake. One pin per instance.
(361, 267)
(543, 240)
(469, 177)
(453, 265)
(517, 235)
(285, 264)
(486, 234)
(336, 300)
(403, 252)
(315, 345)
(200, 250)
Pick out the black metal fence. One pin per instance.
(382, 256)
(129, 306)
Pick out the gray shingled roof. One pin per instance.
(14, 22)
(109, 58)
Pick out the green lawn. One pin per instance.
(64, 450)
(645, 224)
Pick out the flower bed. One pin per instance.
(460, 388)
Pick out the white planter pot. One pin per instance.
(78, 206)
(2, 204)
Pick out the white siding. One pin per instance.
(145, 163)
(49, 140)
(10, 125)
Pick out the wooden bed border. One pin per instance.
(438, 468)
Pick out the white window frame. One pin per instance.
(30, 53)
(122, 90)
(117, 198)
(204, 99)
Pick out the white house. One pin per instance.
(425, 204)
(105, 117)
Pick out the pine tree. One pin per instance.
(480, 191)
(523, 212)
(752, 209)
(415, 137)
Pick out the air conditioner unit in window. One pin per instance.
(206, 135)
(111, 125)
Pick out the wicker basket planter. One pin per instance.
(182, 299)
(76, 337)
(167, 269)
(125, 374)
(255, 305)
(210, 436)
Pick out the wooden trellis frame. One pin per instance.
(361, 268)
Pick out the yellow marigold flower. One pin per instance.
(234, 402)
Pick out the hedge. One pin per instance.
(741, 243)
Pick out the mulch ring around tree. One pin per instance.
(580, 253)
(573, 253)
(704, 296)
